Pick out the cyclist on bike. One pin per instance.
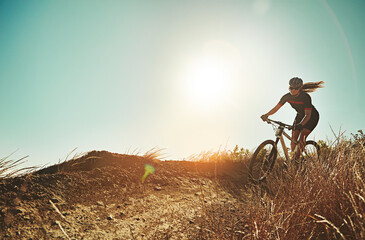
(307, 115)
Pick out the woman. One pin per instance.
(307, 115)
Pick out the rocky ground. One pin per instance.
(101, 196)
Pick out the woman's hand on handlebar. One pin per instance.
(264, 117)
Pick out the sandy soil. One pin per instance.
(101, 196)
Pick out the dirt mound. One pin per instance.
(101, 196)
(96, 159)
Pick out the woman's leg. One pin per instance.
(295, 135)
(307, 129)
(303, 137)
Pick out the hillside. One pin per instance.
(101, 196)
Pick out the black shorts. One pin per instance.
(311, 124)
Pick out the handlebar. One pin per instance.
(270, 121)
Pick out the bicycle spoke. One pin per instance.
(310, 152)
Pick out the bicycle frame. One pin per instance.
(263, 159)
(279, 136)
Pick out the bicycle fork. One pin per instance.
(279, 137)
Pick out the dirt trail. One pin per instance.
(101, 196)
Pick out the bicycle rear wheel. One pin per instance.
(311, 150)
(262, 161)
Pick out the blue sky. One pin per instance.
(183, 76)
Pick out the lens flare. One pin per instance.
(148, 170)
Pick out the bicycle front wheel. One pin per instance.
(262, 161)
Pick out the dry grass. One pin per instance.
(12, 167)
(326, 200)
(222, 156)
(154, 154)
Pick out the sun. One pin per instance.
(206, 79)
(210, 78)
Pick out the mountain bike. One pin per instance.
(263, 159)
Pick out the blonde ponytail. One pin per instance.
(312, 86)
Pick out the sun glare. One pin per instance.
(210, 78)
(206, 79)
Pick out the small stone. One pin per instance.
(158, 188)
(99, 203)
(110, 217)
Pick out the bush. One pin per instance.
(239, 154)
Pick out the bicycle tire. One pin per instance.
(311, 150)
(262, 161)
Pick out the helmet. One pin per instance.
(295, 82)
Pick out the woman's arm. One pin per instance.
(271, 112)
(274, 110)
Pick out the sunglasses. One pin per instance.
(293, 88)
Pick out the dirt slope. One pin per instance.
(101, 196)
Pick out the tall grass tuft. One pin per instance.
(11, 167)
(154, 154)
(221, 156)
